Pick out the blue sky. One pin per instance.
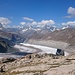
(41, 11)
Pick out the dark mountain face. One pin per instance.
(13, 37)
(8, 40)
(1, 25)
(2, 49)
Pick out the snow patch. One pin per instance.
(44, 49)
(24, 49)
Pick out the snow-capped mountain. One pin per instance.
(46, 28)
(1, 27)
(68, 26)
(27, 30)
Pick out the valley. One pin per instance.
(38, 53)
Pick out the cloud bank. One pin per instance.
(46, 22)
(4, 21)
(28, 19)
(71, 12)
(22, 23)
(31, 22)
(70, 23)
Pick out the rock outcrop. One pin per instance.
(35, 64)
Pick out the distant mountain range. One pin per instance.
(19, 34)
(9, 38)
(22, 34)
(66, 35)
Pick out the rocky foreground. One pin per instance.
(36, 64)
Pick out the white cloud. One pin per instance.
(30, 22)
(71, 12)
(70, 23)
(28, 19)
(46, 22)
(22, 23)
(4, 21)
(34, 23)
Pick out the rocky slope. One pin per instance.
(14, 37)
(63, 39)
(8, 40)
(66, 35)
(35, 64)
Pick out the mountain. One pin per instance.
(3, 47)
(68, 26)
(46, 28)
(66, 35)
(38, 64)
(1, 27)
(45, 35)
(60, 39)
(8, 40)
(27, 31)
(14, 37)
